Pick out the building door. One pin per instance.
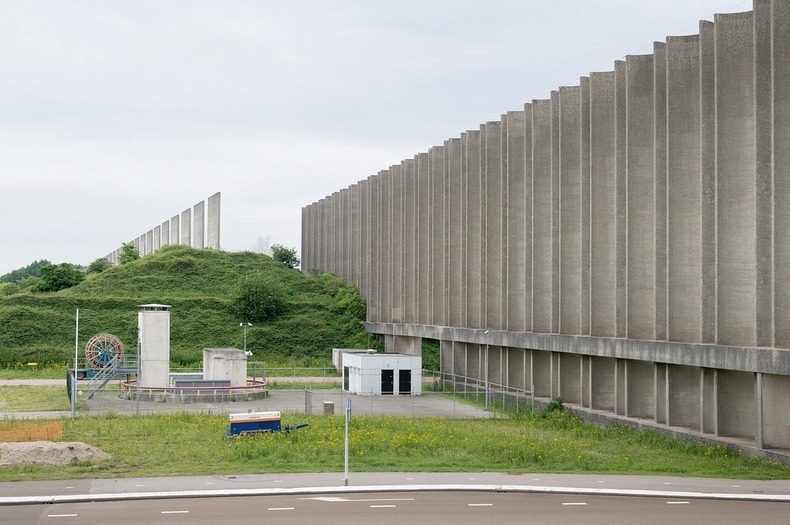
(387, 382)
(404, 381)
(346, 373)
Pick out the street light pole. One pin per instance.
(245, 325)
(487, 386)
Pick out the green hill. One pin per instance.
(200, 285)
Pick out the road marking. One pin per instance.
(335, 499)
(209, 483)
(382, 506)
(278, 481)
(471, 479)
(600, 481)
(62, 516)
(69, 487)
(139, 485)
(175, 512)
(736, 486)
(678, 502)
(575, 504)
(282, 508)
(480, 504)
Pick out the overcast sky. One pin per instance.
(117, 115)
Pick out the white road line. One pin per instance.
(209, 483)
(574, 504)
(479, 504)
(175, 512)
(62, 516)
(382, 506)
(678, 502)
(282, 508)
(69, 487)
(278, 481)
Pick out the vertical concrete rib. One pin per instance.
(424, 238)
(186, 227)
(735, 174)
(763, 140)
(157, 237)
(493, 223)
(542, 213)
(363, 242)
(555, 212)
(396, 173)
(641, 198)
(455, 208)
(570, 267)
(707, 76)
(410, 240)
(213, 222)
(385, 241)
(684, 190)
(374, 205)
(660, 170)
(603, 204)
(515, 201)
(781, 166)
(474, 240)
(438, 234)
(165, 233)
(621, 200)
(175, 229)
(199, 225)
(584, 156)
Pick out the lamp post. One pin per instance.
(486, 334)
(245, 325)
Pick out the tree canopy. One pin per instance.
(287, 256)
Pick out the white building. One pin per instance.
(382, 374)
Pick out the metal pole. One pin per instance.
(348, 418)
(76, 357)
(487, 376)
(486, 364)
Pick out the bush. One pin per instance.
(287, 256)
(8, 288)
(58, 277)
(260, 297)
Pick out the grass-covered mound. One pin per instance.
(202, 287)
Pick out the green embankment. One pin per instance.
(200, 286)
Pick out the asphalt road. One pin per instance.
(394, 508)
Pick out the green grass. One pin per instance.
(195, 444)
(35, 399)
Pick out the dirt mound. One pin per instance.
(49, 453)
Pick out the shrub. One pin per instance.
(8, 288)
(259, 297)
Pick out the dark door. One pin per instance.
(404, 381)
(387, 382)
(345, 378)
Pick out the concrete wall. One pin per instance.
(625, 240)
(198, 230)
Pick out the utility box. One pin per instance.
(254, 423)
(382, 374)
(225, 364)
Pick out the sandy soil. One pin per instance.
(49, 453)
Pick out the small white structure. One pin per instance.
(382, 374)
(153, 324)
(337, 355)
(225, 364)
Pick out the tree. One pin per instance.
(263, 244)
(287, 256)
(99, 265)
(128, 253)
(58, 277)
(259, 297)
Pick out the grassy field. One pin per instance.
(35, 399)
(193, 444)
